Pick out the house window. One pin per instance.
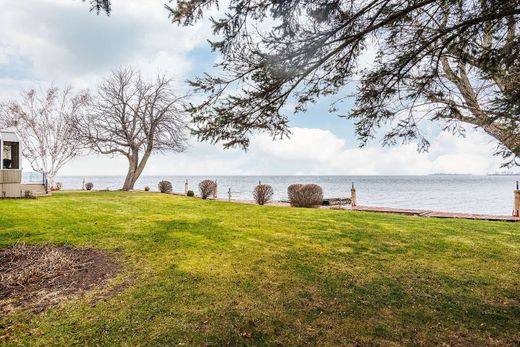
(11, 156)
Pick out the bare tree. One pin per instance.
(43, 121)
(134, 118)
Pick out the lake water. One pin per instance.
(452, 193)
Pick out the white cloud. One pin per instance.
(318, 151)
(61, 41)
(304, 144)
(311, 152)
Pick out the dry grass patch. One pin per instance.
(36, 277)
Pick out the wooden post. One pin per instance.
(229, 194)
(516, 206)
(186, 187)
(353, 196)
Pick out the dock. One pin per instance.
(434, 214)
(400, 211)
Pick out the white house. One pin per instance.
(11, 168)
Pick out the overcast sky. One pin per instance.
(60, 41)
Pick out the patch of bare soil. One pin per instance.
(37, 277)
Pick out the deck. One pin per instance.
(434, 214)
(401, 211)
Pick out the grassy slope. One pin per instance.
(217, 273)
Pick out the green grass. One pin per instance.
(216, 273)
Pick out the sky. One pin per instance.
(61, 42)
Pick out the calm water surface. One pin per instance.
(453, 193)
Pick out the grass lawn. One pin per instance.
(215, 273)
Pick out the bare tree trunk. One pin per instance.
(130, 179)
(51, 177)
(135, 168)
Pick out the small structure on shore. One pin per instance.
(342, 201)
(11, 164)
(337, 201)
(11, 168)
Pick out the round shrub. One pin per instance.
(146, 189)
(59, 186)
(305, 195)
(165, 187)
(263, 194)
(293, 191)
(207, 188)
(89, 186)
(190, 193)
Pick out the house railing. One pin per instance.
(36, 178)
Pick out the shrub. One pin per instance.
(57, 186)
(305, 195)
(190, 193)
(263, 193)
(28, 194)
(89, 185)
(292, 191)
(146, 189)
(207, 188)
(165, 187)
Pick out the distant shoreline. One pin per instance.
(505, 174)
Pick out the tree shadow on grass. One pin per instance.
(181, 233)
